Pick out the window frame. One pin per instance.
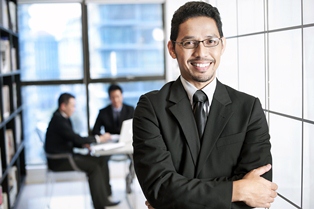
(86, 80)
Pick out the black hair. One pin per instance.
(64, 98)
(194, 9)
(114, 87)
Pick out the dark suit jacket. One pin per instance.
(105, 119)
(174, 170)
(60, 137)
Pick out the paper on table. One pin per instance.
(106, 146)
(115, 137)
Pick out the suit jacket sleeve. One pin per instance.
(98, 124)
(165, 187)
(162, 185)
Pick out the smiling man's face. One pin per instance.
(198, 66)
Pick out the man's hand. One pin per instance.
(148, 205)
(105, 137)
(255, 190)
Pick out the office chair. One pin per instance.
(51, 174)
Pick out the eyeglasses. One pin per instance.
(193, 44)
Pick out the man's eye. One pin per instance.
(210, 42)
(189, 43)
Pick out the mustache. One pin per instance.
(202, 60)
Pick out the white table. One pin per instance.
(127, 149)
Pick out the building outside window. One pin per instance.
(123, 47)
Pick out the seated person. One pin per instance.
(111, 117)
(60, 138)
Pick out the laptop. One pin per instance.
(126, 132)
(119, 140)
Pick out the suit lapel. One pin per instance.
(185, 118)
(220, 113)
(122, 113)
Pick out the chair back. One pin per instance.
(41, 128)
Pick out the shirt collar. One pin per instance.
(208, 89)
(116, 109)
(64, 114)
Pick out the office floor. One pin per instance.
(75, 194)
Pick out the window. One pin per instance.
(127, 48)
(128, 43)
(50, 44)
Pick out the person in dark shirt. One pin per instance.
(61, 138)
(111, 118)
(199, 143)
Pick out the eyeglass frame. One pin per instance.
(198, 42)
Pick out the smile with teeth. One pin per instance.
(201, 64)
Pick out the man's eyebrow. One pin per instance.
(187, 38)
(193, 37)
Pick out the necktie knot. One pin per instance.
(199, 96)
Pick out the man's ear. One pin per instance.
(223, 44)
(171, 50)
(62, 106)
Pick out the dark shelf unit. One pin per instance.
(11, 108)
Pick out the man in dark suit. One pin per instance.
(60, 138)
(110, 119)
(226, 165)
